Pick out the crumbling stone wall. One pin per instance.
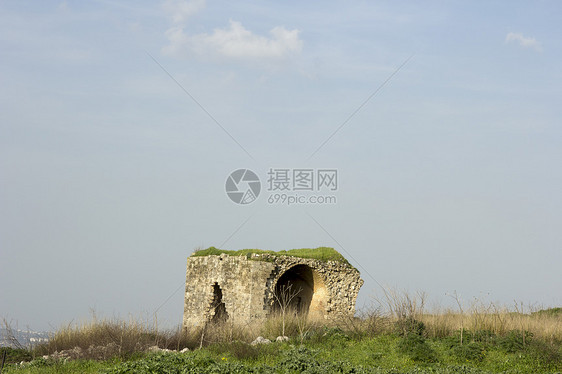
(246, 287)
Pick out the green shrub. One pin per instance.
(406, 326)
(328, 337)
(481, 336)
(514, 341)
(240, 350)
(545, 352)
(332, 334)
(14, 355)
(227, 368)
(473, 351)
(298, 360)
(244, 351)
(416, 348)
(164, 363)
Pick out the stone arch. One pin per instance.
(217, 308)
(307, 288)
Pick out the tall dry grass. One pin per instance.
(125, 338)
(103, 338)
(477, 316)
(500, 321)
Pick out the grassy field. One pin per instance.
(401, 340)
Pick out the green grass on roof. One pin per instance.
(320, 253)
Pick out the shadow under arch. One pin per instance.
(303, 292)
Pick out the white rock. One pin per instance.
(260, 340)
(282, 339)
(184, 350)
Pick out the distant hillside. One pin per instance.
(24, 338)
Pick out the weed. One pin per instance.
(514, 341)
(15, 354)
(473, 351)
(545, 352)
(409, 326)
(299, 360)
(240, 350)
(416, 347)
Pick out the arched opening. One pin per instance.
(300, 290)
(217, 312)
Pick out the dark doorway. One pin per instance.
(218, 309)
(294, 290)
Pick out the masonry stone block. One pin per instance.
(250, 288)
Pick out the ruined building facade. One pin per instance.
(244, 289)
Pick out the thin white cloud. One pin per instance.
(235, 42)
(523, 41)
(181, 10)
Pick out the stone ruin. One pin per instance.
(250, 288)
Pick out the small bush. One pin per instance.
(331, 333)
(14, 355)
(371, 323)
(164, 363)
(545, 352)
(483, 336)
(416, 348)
(299, 360)
(272, 327)
(226, 332)
(514, 341)
(240, 350)
(407, 326)
(473, 351)
(480, 336)
(41, 363)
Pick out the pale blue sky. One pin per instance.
(110, 175)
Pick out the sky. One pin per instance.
(121, 121)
